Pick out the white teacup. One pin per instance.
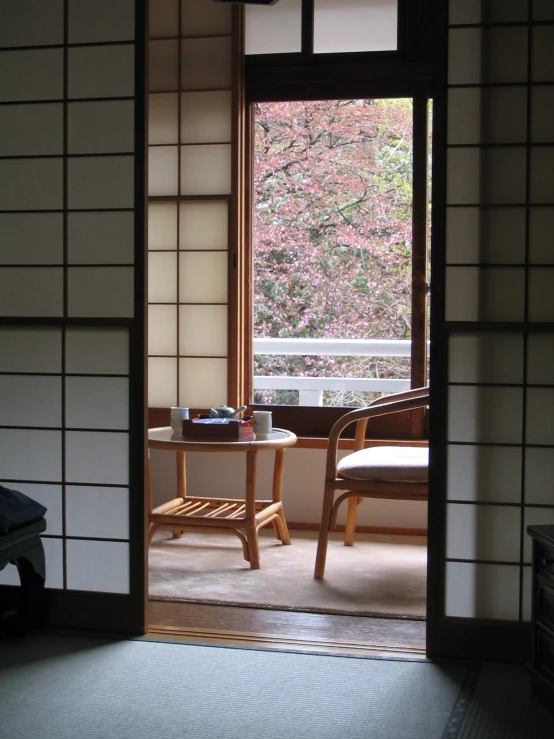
(178, 415)
(262, 424)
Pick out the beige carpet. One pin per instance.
(379, 576)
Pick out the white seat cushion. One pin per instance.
(387, 464)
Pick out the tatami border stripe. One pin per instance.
(461, 707)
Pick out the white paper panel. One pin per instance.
(483, 473)
(30, 400)
(28, 130)
(31, 455)
(206, 116)
(101, 20)
(30, 349)
(31, 238)
(542, 122)
(204, 225)
(487, 115)
(482, 591)
(485, 236)
(204, 19)
(540, 416)
(97, 512)
(162, 225)
(97, 402)
(489, 357)
(31, 291)
(206, 64)
(542, 52)
(495, 176)
(97, 457)
(114, 284)
(203, 330)
(163, 114)
(541, 229)
(163, 18)
(163, 170)
(54, 566)
(49, 496)
(97, 351)
(540, 359)
(9, 576)
(162, 330)
(483, 532)
(53, 555)
(535, 517)
(101, 238)
(31, 22)
(487, 11)
(541, 296)
(487, 55)
(31, 184)
(485, 414)
(101, 127)
(102, 71)
(101, 182)
(543, 10)
(539, 473)
(206, 170)
(31, 75)
(542, 182)
(355, 25)
(162, 277)
(97, 566)
(484, 294)
(274, 29)
(163, 67)
(203, 277)
(203, 382)
(162, 382)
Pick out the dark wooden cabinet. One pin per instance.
(542, 614)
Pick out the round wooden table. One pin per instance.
(241, 516)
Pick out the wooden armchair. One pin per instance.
(393, 472)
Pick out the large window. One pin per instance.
(332, 248)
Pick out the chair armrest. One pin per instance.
(411, 399)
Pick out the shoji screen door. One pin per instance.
(499, 312)
(72, 213)
(190, 190)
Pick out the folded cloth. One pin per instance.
(17, 509)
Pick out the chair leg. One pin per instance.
(350, 528)
(324, 529)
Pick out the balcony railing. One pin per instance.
(311, 389)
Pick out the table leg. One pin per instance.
(149, 501)
(282, 532)
(181, 485)
(250, 503)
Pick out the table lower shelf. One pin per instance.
(221, 514)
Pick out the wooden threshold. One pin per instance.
(289, 630)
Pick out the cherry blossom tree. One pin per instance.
(332, 230)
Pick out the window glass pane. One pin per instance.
(275, 29)
(332, 241)
(355, 25)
